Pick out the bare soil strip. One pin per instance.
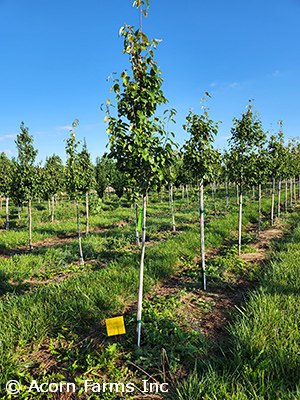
(48, 242)
(226, 297)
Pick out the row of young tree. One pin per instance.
(22, 180)
(140, 142)
(248, 163)
(144, 158)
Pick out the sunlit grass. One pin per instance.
(46, 293)
(262, 361)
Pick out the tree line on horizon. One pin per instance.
(251, 160)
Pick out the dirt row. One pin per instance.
(224, 298)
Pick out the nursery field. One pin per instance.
(165, 268)
(53, 309)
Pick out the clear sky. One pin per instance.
(56, 56)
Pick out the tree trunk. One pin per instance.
(52, 209)
(291, 192)
(172, 206)
(271, 188)
(182, 188)
(49, 205)
(273, 202)
(137, 236)
(253, 192)
(81, 260)
(226, 190)
(87, 227)
(214, 197)
(141, 276)
(295, 195)
(240, 221)
(202, 242)
(286, 196)
(19, 212)
(187, 193)
(259, 208)
(279, 198)
(237, 194)
(6, 213)
(30, 224)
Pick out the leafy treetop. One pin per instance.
(87, 170)
(6, 174)
(247, 137)
(73, 169)
(137, 137)
(54, 174)
(25, 173)
(199, 155)
(277, 155)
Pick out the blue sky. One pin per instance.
(56, 56)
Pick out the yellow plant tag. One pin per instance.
(115, 326)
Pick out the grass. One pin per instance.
(262, 358)
(52, 307)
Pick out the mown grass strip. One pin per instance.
(262, 359)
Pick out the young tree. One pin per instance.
(103, 172)
(260, 170)
(54, 179)
(25, 172)
(118, 182)
(16, 190)
(41, 183)
(216, 174)
(183, 175)
(297, 164)
(293, 166)
(6, 177)
(136, 135)
(171, 177)
(170, 171)
(87, 179)
(246, 139)
(73, 177)
(199, 158)
(224, 174)
(277, 164)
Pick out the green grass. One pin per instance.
(56, 315)
(262, 358)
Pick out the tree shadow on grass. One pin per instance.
(287, 289)
(18, 288)
(70, 242)
(240, 367)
